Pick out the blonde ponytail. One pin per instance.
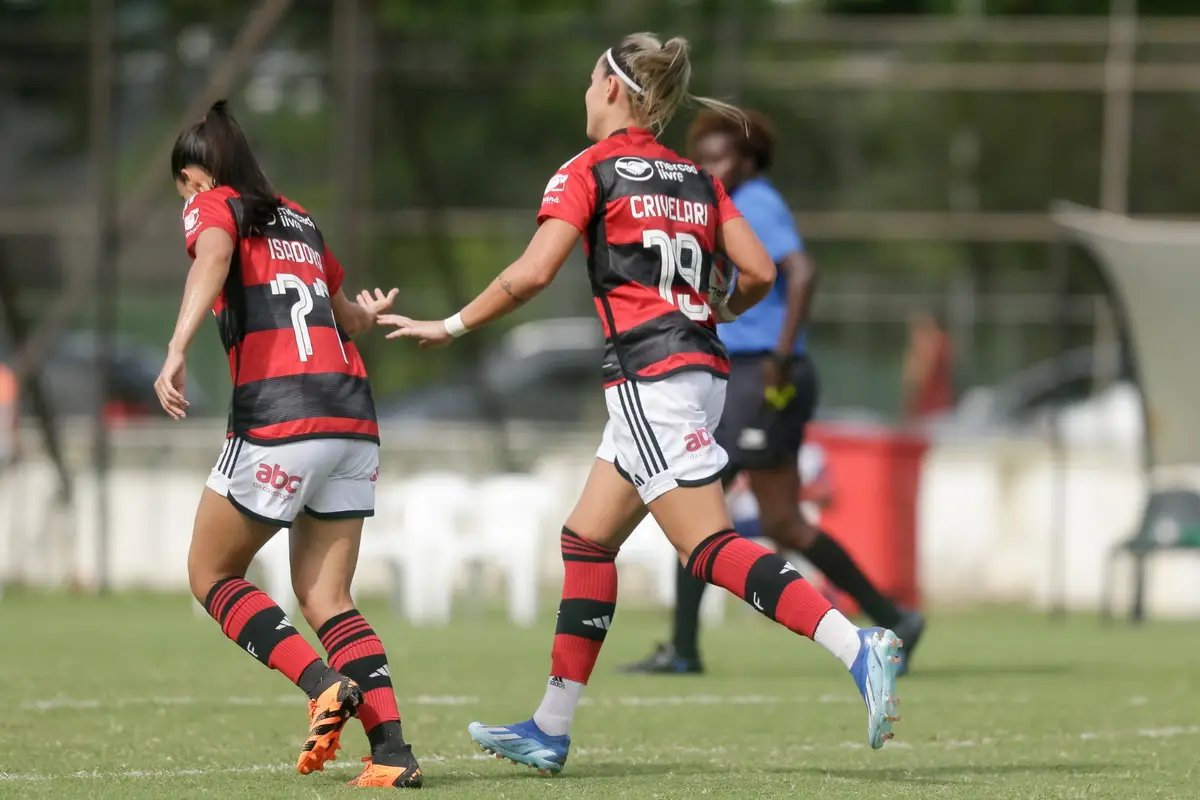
(657, 76)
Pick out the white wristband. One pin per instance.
(722, 312)
(454, 325)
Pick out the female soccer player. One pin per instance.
(772, 391)
(302, 449)
(652, 223)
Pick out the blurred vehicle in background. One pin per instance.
(69, 376)
(546, 371)
(1089, 392)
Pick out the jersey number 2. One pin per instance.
(281, 284)
(680, 255)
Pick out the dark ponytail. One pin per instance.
(217, 145)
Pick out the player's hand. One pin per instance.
(430, 333)
(374, 306)
(169, 386)
(777, 388)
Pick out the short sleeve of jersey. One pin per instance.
(334, 274)
(570, 195)
(726, 210)
(771, 220)
(206, 210)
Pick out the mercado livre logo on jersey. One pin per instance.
(635, 169)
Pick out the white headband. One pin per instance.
(620, 73)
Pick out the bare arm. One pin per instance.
(214, 251)
(801, 284)
(526, 277)
(515, 286)
(351, 316)
(756, 271)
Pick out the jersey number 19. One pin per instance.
(680, 255)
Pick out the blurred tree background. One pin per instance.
(420, 135)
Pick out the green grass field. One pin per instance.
(133, 697)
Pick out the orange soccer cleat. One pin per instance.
(405, 775)
(327, 715)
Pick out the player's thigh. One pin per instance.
(690, 514)
(609, 508)
(224, 542)
(326, 537)
(324, 555)
(663, 429)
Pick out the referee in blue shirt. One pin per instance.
(772, 391)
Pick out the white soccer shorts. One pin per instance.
(324, 478)
(660, 433)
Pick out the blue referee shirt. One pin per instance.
(757, 330)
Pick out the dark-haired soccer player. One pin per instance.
(772, 391)
(302, 448)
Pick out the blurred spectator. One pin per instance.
(928, 368)
(9, 418)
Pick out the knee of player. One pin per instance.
(202, 577)
(320, 603)
(788, 530)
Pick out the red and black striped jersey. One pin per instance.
(650, 219)
(296, 374)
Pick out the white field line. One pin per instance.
(641, 753)
(95, 703)
(62, 702)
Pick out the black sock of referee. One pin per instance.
(836, 564)
(689, 591)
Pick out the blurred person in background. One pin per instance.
(928, 377)
(302, 449)
(652, 224)
(10, 415)
(772, 392)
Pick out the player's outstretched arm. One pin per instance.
(515, 286)
(358, 316)
(756, 270)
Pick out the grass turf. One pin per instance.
(134, 697)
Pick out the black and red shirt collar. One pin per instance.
(634, 133)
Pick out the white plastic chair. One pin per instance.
(506, 530)
(417, 536)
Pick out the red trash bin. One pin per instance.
(874, 514)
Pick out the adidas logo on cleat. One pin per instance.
(602, 623)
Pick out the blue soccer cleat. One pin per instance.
(523, 743)
(874, 672)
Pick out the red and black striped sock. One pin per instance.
(356, 652)
(251, 619)
(589, 600)
(764, 580)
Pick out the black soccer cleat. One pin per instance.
(665, 661)
(401, 772)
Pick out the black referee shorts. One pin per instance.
(756, 434)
